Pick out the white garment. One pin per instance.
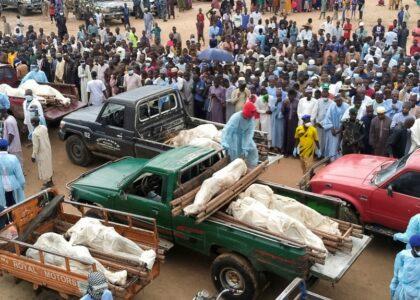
(85, 76)
(415, 135)
(34, 105)
(41, 151)
(306, 107)
(328, 27)
(96, 89)
(265, 119)
(252, 39)
(256, 16)
(390, 36)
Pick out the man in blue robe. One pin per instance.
(35, 74)
(331, 125)
(12, 179)
(237, 135)
(405, 284)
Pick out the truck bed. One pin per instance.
(55, 217)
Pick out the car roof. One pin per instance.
(131, 98)
(178, 158)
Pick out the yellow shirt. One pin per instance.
(307, 138)
(11, 58)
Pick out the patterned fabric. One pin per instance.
(97, 284)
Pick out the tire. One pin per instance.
(349, 215)
(77, 151)
(22, 10)
(242, 276)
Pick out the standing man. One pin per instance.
(405, 283)
(83, 71)
(148, 22)
(352, 133)
(35, 74)
(237, 135)
(323, 105)
(41, 152)
(31, 108)
(306, 139)
(11, 135)
(136, 8)
(332, 125)
(307, 106)
(379, 132)
(399, 142)
(240, 94)
(13, 181)
(131, 80)
(96, 90)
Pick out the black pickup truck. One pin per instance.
(135, 123)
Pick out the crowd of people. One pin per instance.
(325, 91)
(338, 89)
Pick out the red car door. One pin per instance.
(396, 201)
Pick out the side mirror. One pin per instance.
(389, 190)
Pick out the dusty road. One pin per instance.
(185, 272)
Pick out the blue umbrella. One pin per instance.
(215, 54)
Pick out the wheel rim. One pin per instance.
(76, 150)
(232, 279)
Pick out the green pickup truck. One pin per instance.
(242, 255)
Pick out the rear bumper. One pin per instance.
(31, 6)
(113, 16)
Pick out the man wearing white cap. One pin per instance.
(361, 32)
(379, 132)
(307, 106)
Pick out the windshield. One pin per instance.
(386, 173)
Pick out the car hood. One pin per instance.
(85, 115)
(353, 168)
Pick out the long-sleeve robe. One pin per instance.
(42, 152)
(378, 135)
(85, 76)
(331, 121)
(11, 169)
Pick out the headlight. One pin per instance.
(62, 124)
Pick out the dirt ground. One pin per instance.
(184, 272)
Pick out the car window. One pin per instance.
(148, 186)
(155, 107)
(196, 169)
(407, 184)
(389, 171)
(113, 115)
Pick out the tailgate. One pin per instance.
(337, 265)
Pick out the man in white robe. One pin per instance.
(41, 152)
(32, 108)
(83, 71)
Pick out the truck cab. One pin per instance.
(136, 123)
(381, 192)
(23, 6)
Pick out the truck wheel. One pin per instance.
(77, 151)
(232, 271)
(22, 10)
(349, 215)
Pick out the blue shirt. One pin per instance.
(392, 108)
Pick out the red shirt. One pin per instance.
(414, 49)
(200, 18)
(347, 30)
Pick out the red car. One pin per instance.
(383, 193)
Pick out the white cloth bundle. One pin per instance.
(205, 135)
(92, 233)
(38, 90)
(308, 216)
(219, 181)
(54, 242)
(255, 213)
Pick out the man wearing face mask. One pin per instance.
(307, 106)
(35, 74)
(131, 80)
(32, 108)
(405, 284)
(237, 135)
(306, 143)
